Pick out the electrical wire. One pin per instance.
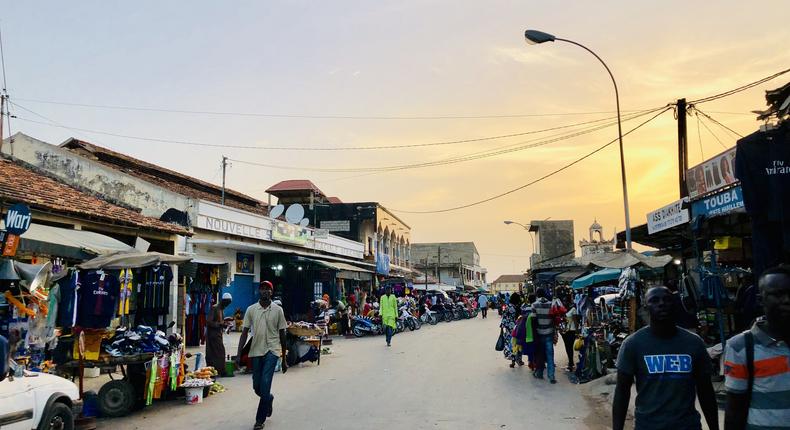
(314, 148)
(718, 123)
(453, 160)
(2, 60)
(713, 134)
(739, 89)
(542, 178)
(307, 116)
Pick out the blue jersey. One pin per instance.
(98, 294)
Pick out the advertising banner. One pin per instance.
(711, 175)
(290, 233)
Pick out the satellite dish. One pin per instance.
(276, 211)
(304, 222)
(294, 214)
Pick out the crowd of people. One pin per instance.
(669, 365)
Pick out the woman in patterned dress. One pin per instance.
(509, 318)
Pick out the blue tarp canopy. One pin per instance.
(547, 276)
(596, 277)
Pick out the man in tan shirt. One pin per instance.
(267, 321)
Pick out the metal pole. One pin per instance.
(224, 166)
(439, 265)
(2, 119)
(683, 149)
(620, 138)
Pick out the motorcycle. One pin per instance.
(362, 326)
(429, 316)
(409, 321)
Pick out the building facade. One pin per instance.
(386, 237)
(595, 245)
(554, 242)
(508, 284)
(454, 263)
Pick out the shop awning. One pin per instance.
(271, 248)
(434, 287)
(546, 276)
(131, 260)
(596, 278)
(208, 260)
(67, 243)
(344, 270)
(629, 258)
(570, 275)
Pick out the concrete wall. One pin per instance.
(91, 175)
(555, 242)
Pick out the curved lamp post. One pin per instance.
(525, 227)
(535, 37)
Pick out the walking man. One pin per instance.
(671, 367)
(545, 331)
(267, 322)
(757, 361)
(482, 302)
(389, 313)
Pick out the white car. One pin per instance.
(38, 401)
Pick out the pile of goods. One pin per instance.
(203, 373)
(142, 339)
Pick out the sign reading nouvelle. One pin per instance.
(669, 216)
(719, 203)
(344, 225)
(231, 227)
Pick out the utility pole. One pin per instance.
(224, 168)
(439, 265)
(2, 119)
(683, 149)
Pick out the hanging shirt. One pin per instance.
(67, 305)
(98, 295)
(126, 279)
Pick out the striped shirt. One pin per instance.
(542, 310)
(770, 405)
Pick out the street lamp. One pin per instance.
(535, 37)
(525, 227)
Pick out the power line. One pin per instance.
(2, 59)
(739, 89)
(718, 123)
(468, 157)
(713, 134)
(699, 136)
(313, 148)
(308, 116)
(542, 178)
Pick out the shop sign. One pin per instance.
(231, 227)
(289, 233)
(719, 204)
(711, 175)
(245, 263)
(344, 225)
(321, 233)
(669, 216)
(17, 219)
(10, 245)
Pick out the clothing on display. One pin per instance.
(762, 164)
(97, 297)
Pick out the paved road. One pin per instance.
(441, 377)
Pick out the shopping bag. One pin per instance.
(500, 343)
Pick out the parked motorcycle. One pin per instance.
(409, 321)
(429, 316)
(363, 326)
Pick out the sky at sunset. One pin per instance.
(400, 65)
